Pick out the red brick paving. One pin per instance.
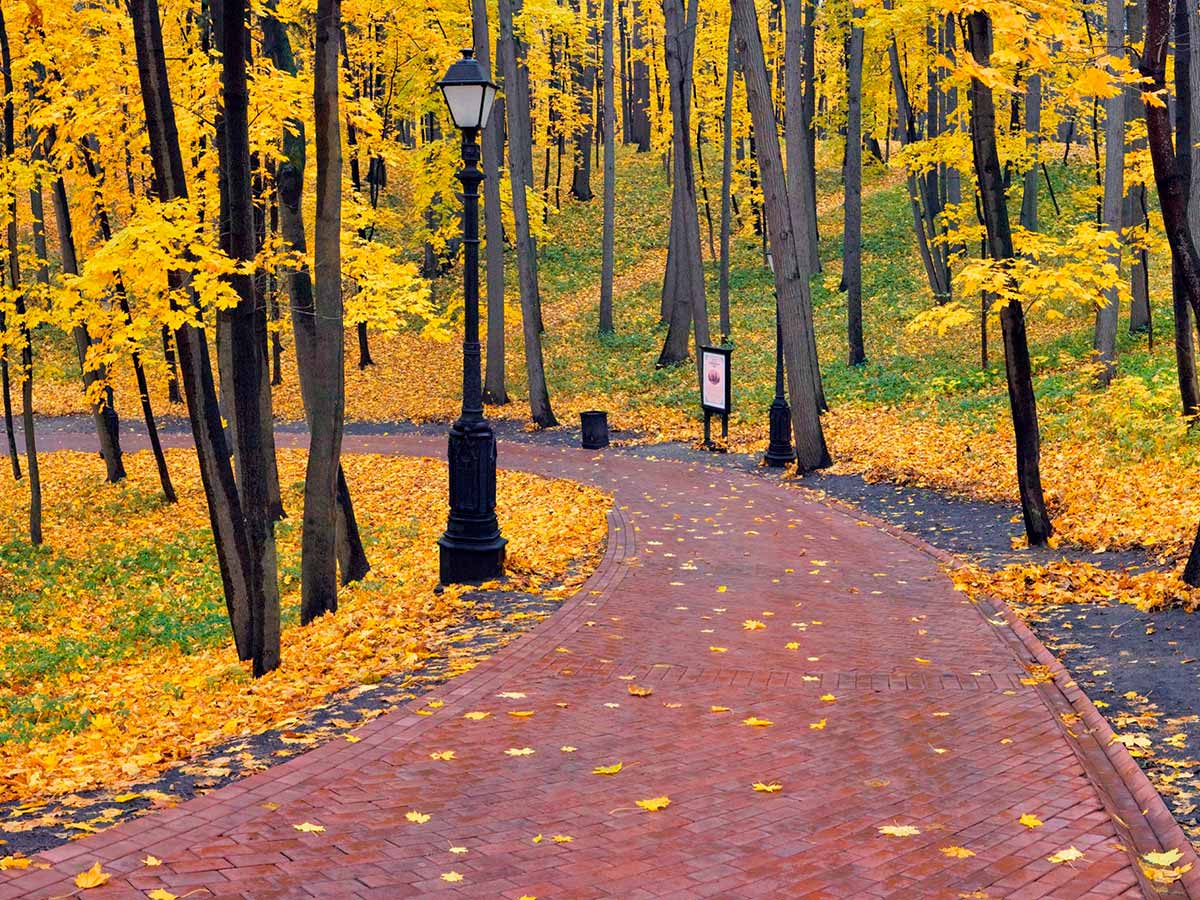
(956, 746)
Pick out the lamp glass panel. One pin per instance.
(464, 103)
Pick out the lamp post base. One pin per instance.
(779, 450)
(471, 549)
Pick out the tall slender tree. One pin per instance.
(13, 269)
(1104, 340)
(683, 283)
(1012, 315)
(494, 388)
(791, 280)
(289, 177)
(511, 55)
(216, 474)
(608, 235)
(852, 227)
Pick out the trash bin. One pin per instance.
(594, 424)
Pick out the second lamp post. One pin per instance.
(779, 449)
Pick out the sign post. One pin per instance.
(715, 392)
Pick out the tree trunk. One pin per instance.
(852, 226)
(639, 106)
(1033, 127)
(139, 372)
(1012, 316)
(511, 55)
(922, 205)
(1134, 211)
(108, 427)
(216, 474)
(791, 283)
(608, 235)
(289, 178)
(797, 134)
(494, 389)
(248, 353)
(727, 182)
(1171, 179)
(585, 81)
(1187, 160)
(14, 274)
(1104, 340)
(689, 272)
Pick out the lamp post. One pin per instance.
(779, 450)
(471, 549)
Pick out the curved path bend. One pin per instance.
(894, 701)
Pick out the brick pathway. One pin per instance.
(894, 701)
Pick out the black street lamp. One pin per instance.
(472, 549)
(779, 450)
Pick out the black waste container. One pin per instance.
(594, 424)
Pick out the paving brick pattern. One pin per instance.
(926, 722)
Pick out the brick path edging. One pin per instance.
(1137, 809)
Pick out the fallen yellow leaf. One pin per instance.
(756, 722)
(1070, 854)
(1029, 820)
(419, 818)
(654, 804)
(771, 788)
(607, 770)
(957, 852)
(899, 830)
(309, 827)
(93, 877)
(451, 876)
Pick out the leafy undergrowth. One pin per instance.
(115, 657)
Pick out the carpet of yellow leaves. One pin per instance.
(150, 704)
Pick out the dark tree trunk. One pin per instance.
(1012, 316)
(1187, 122)
(1135, 207)
(494, 378)
(14, 275)
(216, 474)
(289, 178)
(798, 134)
(1104, 340)
(791, 282)
(511, 56)
(639, 99)
(139, 372)
(852, 228)
(585, 82)
(727, 183)
(1033, 125)
(608, 236)
(95, 378)
(688, 281)
(248, 369)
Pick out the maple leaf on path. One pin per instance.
(1070, 854)
(309, 827)
(419, 818)
(899, 830)
(957, 852)
(91, 878)
(654, 804)
(1029, 820)
(607, 770)
(756, 722)
(768, 788)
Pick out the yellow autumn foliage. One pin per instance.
(132, 699)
